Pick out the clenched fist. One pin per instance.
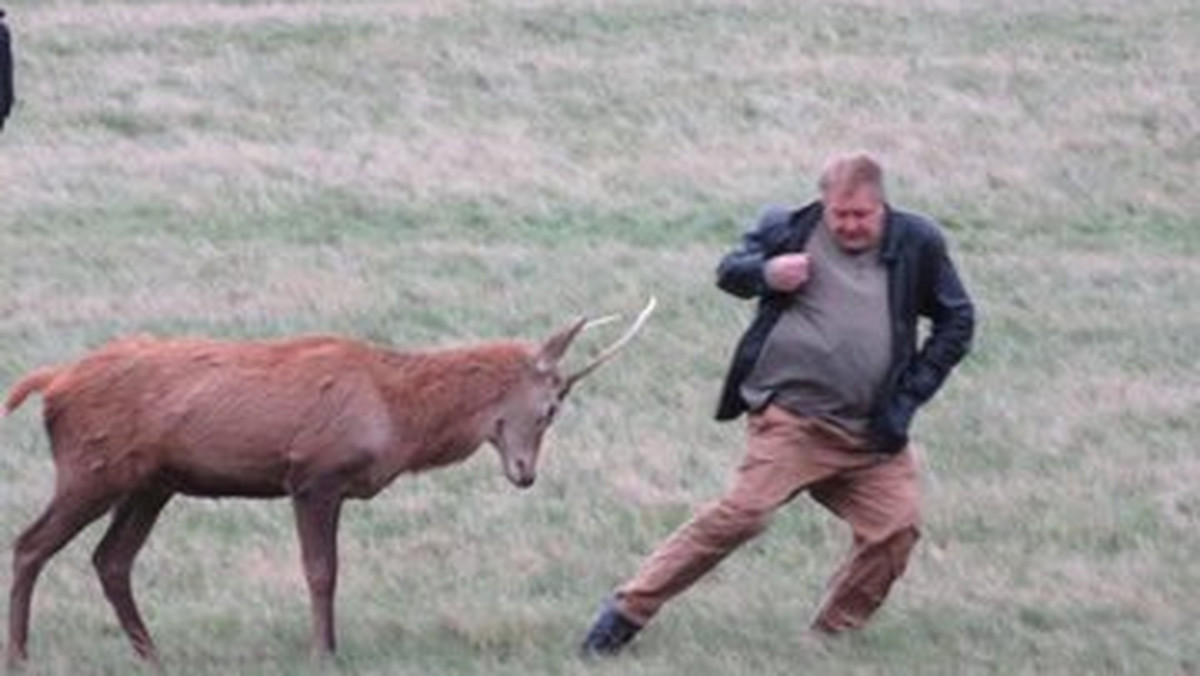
(786, 273)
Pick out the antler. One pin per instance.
(600, 321)
(612, 350)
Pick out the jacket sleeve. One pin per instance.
(740, 272)
(952, 314)
(6, 71)
(949, 307)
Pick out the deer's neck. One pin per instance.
(443, 404)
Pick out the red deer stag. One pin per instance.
(318, 419)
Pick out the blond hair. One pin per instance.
(849, 172)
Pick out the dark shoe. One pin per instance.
(610, 633)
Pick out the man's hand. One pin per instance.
(888, 431)
(787, 272)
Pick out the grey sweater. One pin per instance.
(829, 353)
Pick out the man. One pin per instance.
(831, 376)
(6, 72)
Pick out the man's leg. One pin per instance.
(881, 504)
(777, 466)
(775, 469)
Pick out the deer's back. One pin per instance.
(217, 417)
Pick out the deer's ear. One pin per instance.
(555, 347)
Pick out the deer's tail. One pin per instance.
(37, 381)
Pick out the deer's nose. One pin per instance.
(524, 474)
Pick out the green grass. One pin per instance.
(424, 173)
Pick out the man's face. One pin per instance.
(855, 217)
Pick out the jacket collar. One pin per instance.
(890, 248)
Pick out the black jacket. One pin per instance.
(6, 72)
(922, 282)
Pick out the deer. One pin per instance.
(317, 419)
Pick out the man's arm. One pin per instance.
(950, 309)
(6, 72)
(742, 272)
(953, 316)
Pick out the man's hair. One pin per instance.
(846, 173)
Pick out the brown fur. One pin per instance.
(318, 419)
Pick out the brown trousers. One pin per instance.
(786, 454)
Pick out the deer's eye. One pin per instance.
(551, 411)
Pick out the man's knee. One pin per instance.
(905, 538)
(731, 522)
(898, 547)
(893, 521)
(901, 534)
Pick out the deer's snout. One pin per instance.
(521, 473)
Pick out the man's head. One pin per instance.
(852, 193)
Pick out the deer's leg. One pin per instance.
(113, 558)
(71, 509)
(317, 523)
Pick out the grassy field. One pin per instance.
(427, 172)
